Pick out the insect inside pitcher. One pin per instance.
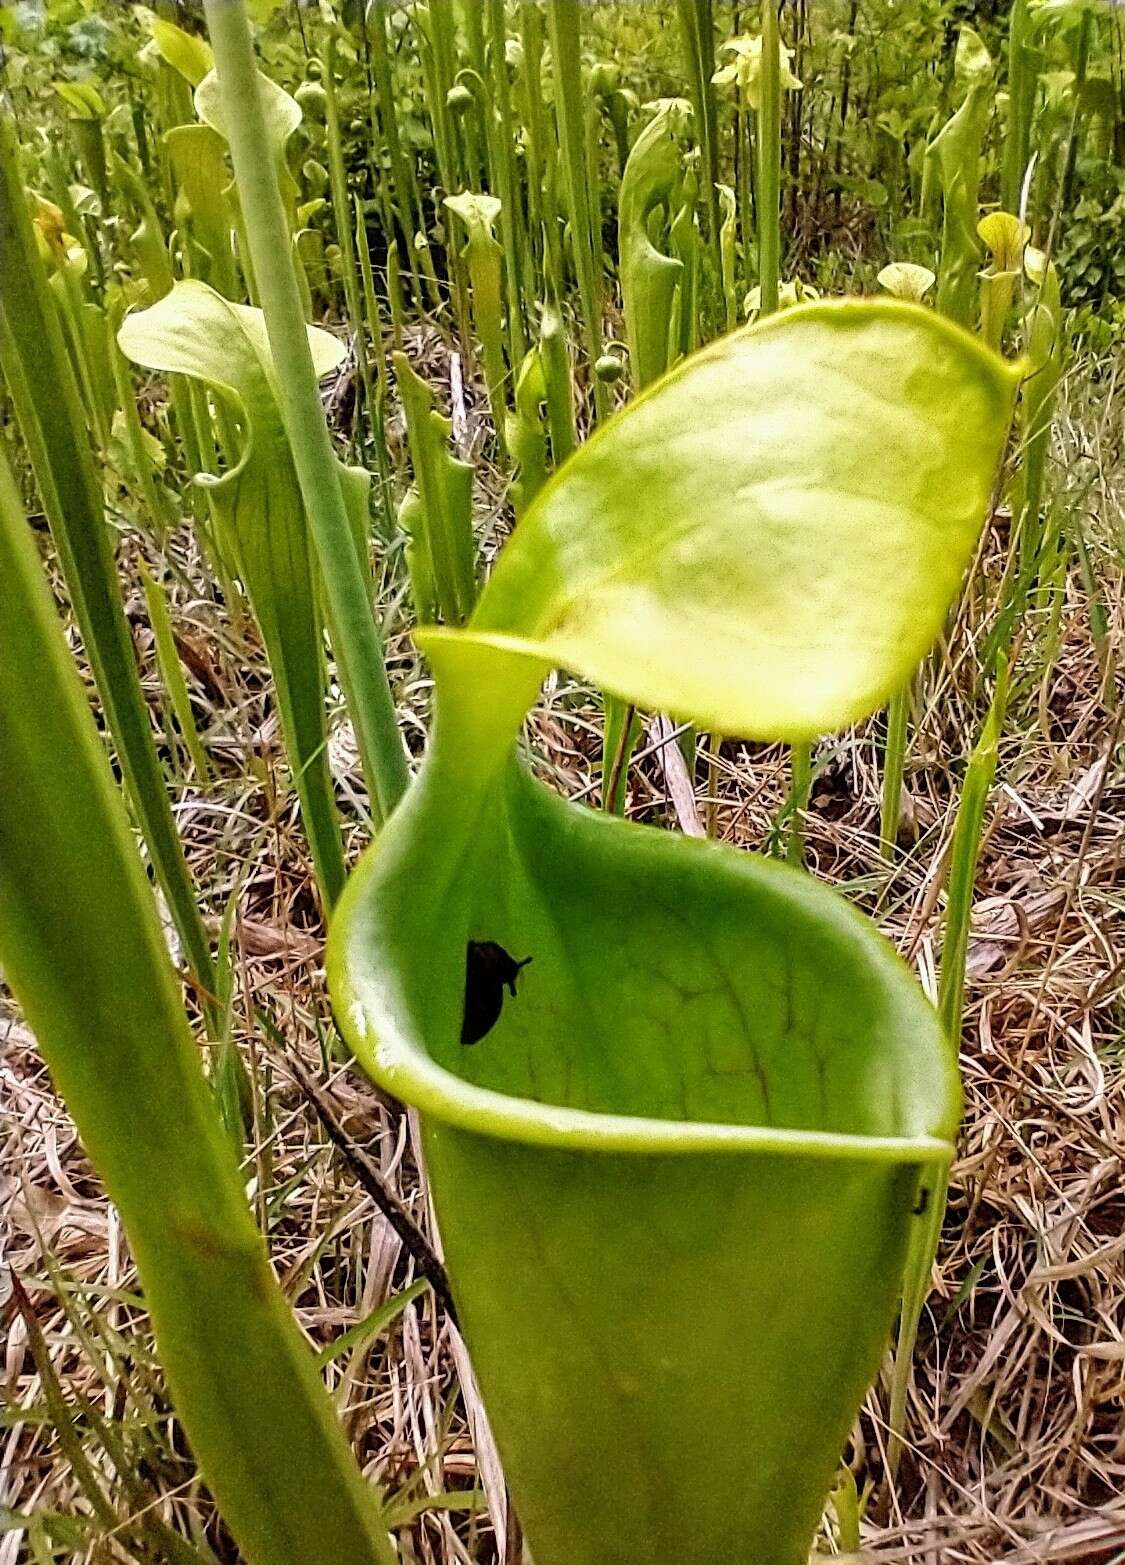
(489, 970)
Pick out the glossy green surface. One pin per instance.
(776, 528)
(676, 1180)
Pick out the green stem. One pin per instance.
(697, 29)
(565, 28)
(894, 767)
(967, 834)
(352, 628)
(714, 758)
(173, 675)
(800, 761)
(535, 125)
(341, 211)
(768, 144)
(744, 156)
(382, 380)
(769, 162)
(502, 136)
(395, 302)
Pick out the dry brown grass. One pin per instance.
(1017, 1420)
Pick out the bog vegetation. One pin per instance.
(539, 542)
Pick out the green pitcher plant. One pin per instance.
(649, 276)
(483, 259)
(956, 155)
(260, 520)
(681, 1106)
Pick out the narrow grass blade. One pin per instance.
(173, 675)
(894, 767)
(963, 861)
(373, 1325)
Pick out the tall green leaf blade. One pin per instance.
(81, 947)
(351, 621)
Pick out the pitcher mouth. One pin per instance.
(380, 1011)
(403, 1069)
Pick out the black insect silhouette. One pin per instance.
(923, 1202)
(488, 971)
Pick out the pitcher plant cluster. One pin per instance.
(686, 1117)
